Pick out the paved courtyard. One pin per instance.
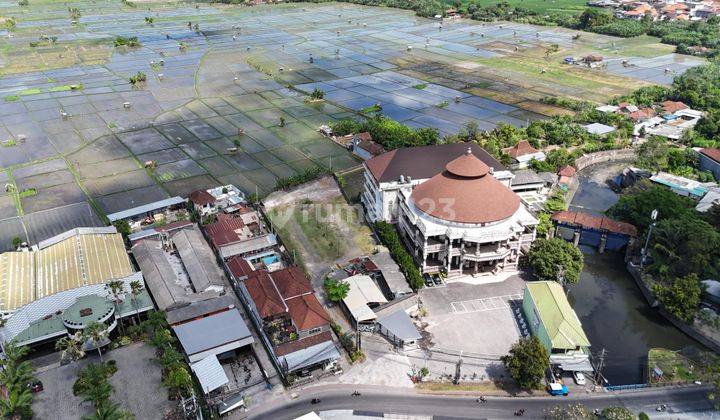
(478, 320)
(136, 384)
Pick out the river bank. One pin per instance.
(613, 311)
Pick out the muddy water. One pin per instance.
(613, 312)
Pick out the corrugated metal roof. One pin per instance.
(391, 273)
(400, 325)
(135, 211)
(210, 374)
(560, 320)
(212, 331)
(250, 245)
(312, 355)
(363, 291)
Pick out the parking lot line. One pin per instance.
(484, 304)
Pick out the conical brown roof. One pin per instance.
(465, 192)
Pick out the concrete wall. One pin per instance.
(604, 156)
(536, 326)
(707, 164)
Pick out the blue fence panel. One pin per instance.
(615, 241)
(590, 237)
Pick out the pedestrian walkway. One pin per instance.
(485, 304)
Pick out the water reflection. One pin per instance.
(613, 312)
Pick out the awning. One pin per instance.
(575, 365)
(210, 374)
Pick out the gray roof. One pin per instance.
(198, 309)
(210, 374)
(135, 211)
(711, 198)
(712, 287)
(400, 325)
(526, 177)
(198, 258)
(391, 273)
(254, 244)
(599, 129)
(310, 356)
(213, 331)
(548, 177)
(166, 281)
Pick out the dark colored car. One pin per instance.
(428, 280)
(437, 280)
(35, 387)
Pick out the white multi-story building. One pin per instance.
(453, 207)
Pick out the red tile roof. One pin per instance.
(263, 292)
(567, 171)
(672, 107)
(371, 147)
(364, 136)
(293, 346)
(307, 312)
(521, 149)
(239, 267)
(222, 232)
(201, 197)
(461, 193)
(291, 282)
(594, 222)
(642, 114)
(712, 153)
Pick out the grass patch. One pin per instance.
(63, 88)
(28, 192)
(443, 104)
(12, 98)
(28, 92)
(675, 367)
(371, 109)
(9, 143)
(420, 86)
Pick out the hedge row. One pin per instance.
(390, 238)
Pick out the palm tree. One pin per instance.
(117, 288)
(109, 411)
(96, 333)
(169, 358)
(98, 394)
(136, 287)
(71, 346)
(156, 320)
(178, 380)
(17, 405)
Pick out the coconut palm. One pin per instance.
(156, 320)
(178, 380)
(17, 404)
(98, 394)
(96, 333)
(109, 411)
(117, 288)
(136, 287)
(71, 346)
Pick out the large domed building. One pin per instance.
(461, 219)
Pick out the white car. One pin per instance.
(579, 378)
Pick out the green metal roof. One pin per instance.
(87, 309)
(556, 314)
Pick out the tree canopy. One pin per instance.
(336, 290)
(527, 362)
(682, 297)
(555, 259)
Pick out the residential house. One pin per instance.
(203, 202)
(363, 146)
(523, 153)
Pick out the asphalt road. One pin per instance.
(685, 402)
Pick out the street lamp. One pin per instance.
(643, 252)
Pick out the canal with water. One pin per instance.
(613, 312)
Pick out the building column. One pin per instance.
(603, 242)
(576, 238)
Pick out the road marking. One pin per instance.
(484, 304)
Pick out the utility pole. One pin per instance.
(643, 252)
(598, 370)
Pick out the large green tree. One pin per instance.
(555, 259)
(336, 290)
(527, 362)
(681, 297)
(637, 203)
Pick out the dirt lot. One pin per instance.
(318, 226)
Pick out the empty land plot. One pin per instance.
(316, 222)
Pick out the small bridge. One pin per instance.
(596, 231)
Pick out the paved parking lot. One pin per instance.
(478, 321)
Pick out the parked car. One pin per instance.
(428, 280)
(437, 280)
(557, 388)
(579, 378)
(36, 386)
